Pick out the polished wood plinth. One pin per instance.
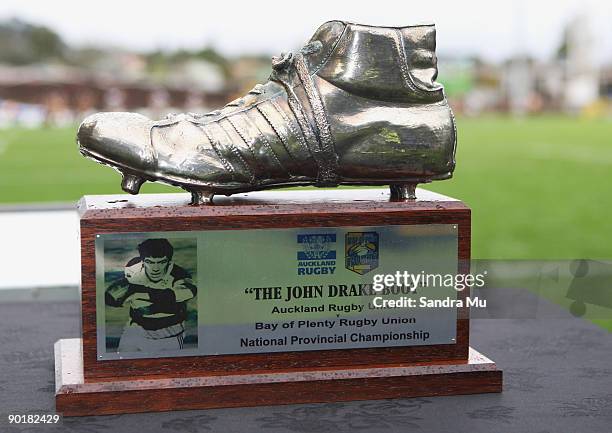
(86, 385)
(77, 397)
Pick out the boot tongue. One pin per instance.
(328, 35)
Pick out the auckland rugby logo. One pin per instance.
(317, 255)
(361, 251)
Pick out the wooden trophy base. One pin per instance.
(90, 382)
(75, 397)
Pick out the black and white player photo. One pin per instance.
(150, 295)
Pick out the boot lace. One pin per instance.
(280, 65)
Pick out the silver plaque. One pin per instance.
(269, 290)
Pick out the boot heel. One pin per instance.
(403, 191)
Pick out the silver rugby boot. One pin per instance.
(357, 105)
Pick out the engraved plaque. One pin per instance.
(268, 290)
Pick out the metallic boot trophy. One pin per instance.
(358, 105)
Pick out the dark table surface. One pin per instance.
(557, 378)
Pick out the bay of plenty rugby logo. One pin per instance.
(361, 251)
(317, 255)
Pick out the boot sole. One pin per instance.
(203, 192)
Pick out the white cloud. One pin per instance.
(488, 28)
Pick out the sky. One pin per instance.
(490, 29)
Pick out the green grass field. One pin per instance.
(539, 187)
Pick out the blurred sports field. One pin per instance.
(539, 187)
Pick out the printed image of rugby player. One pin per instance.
(157, 290)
